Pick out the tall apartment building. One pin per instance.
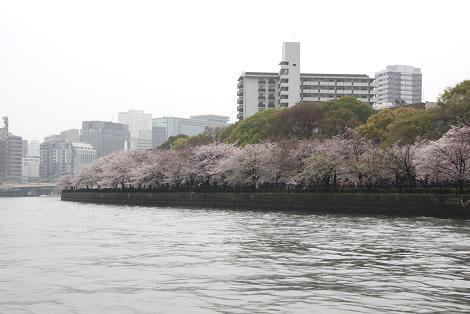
(138, 121)
(105, 137)
(171, 126)
(258, 91)
(397, 85)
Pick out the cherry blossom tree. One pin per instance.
(249, 165)
(175, 167)
(401, 161)
(205, 161)
(65, 183)
(450, 155)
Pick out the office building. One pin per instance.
(258, 91)
(30, 169)
(11, 150)
(14, 158)
(3, 153)
(172, 126)
(33, 148)
(138, 121)
(24, 152)
(105, 137)
(72, 135)
(58, 158)
(143, 141)
(158, 135)
(30, 161)
(397, 85)
(55, 159)
(82, 154)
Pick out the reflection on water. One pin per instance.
(60, 257)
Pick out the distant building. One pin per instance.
(33, 149)
(258, 91)
(143, 141)
(138, 121)
(14, 158)
(105, 137)
(30, 169)
(397, 85)
(56, 159)
(24, 152)
(158, 135)
(3, 154)
(172, 126)
(11, 150)
(82, 154)
(59, 158)
(30, 161)
(72, 135)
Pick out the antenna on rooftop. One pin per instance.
(5, 123)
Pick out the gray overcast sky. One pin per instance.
(62, 62)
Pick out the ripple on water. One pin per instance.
(61, 257)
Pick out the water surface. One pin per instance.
(61, 257)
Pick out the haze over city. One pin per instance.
(68, 62)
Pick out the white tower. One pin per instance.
(289, 91)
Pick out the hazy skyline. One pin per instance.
(65, 62)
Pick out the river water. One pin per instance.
(61, 257)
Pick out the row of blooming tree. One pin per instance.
(339, 161)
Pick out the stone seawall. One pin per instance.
(434, 205)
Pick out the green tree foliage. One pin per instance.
(455, 103)
(413, 126)
(408, 125)
(193, 141)
(361, 110)
(376, 126)
(256, 129)
(301, 121)
(170, 142)
(308, 120)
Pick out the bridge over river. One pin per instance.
(32, 189)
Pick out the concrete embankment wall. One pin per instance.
(378, 204)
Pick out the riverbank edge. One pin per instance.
(432, 205)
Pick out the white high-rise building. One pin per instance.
(138, 121)
(258, 91)
(397, 85)
(289, 87)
